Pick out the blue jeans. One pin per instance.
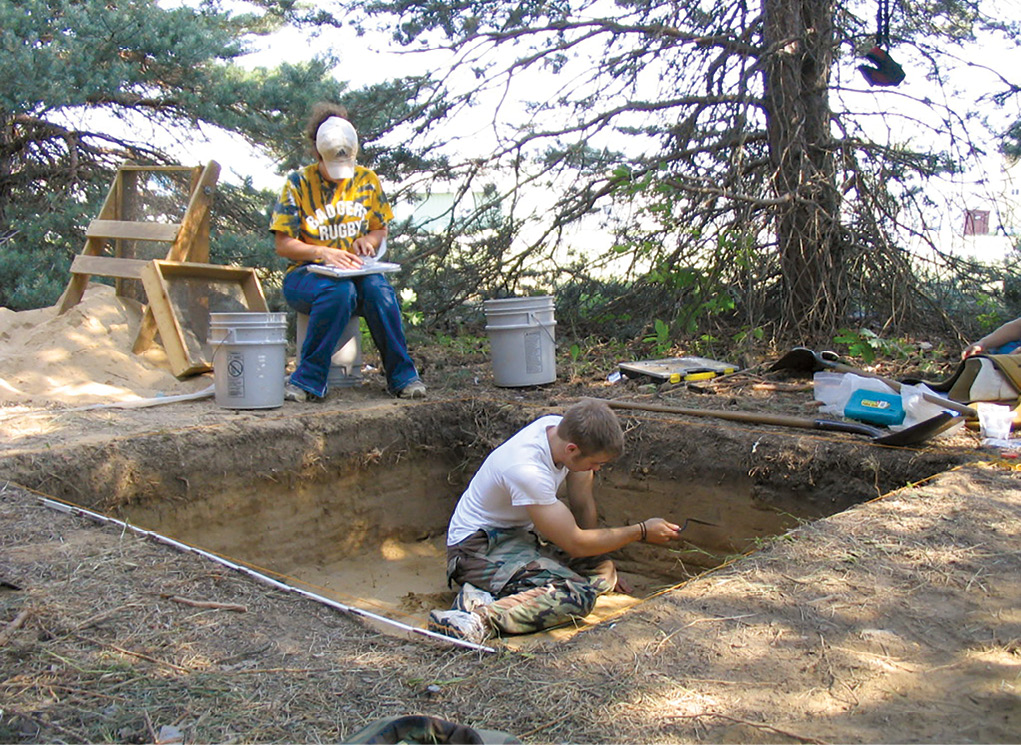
(1011, 347)
(330, 303)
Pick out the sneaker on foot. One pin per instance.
(414, 389)
(471, 598)
(294, 393)
(459, 624)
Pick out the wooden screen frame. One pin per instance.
(155, 276)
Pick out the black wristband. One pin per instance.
(645, 531)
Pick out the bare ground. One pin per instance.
(896, 620)
(893, 621)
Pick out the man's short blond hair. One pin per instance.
(593, 427)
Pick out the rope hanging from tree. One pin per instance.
(886, 72)
(883, 24)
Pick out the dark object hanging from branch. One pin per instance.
(886, 72)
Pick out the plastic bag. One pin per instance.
(916, 408)
(833, 391)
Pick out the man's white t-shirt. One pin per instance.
(518, 473)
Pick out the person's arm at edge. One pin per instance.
(557, 524)
(1008, 332)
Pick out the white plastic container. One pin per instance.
(522, 340)
(995, 422)
(249, 357)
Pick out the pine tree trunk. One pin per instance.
(799, 39)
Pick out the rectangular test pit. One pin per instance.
(354, 504)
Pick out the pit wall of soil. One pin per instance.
(752, 482)
(354, 478)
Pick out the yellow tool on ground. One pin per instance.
(691, 377)
(677, 369)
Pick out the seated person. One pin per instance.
(513, 583)
(994, 379)
(334, 212)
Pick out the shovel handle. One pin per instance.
(913, 435)
(732, 416)
(779, 420)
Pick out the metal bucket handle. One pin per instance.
(540, 324)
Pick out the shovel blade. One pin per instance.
(801, 359)
(919, 433)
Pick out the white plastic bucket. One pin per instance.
(346, 362)
(249, 357)
(522, 340)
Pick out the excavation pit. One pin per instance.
(353, 504)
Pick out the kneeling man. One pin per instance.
(513, 581)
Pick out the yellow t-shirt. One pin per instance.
(326, 213)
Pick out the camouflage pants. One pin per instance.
(537, 585)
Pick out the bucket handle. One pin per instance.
(228, 338)
(540, 324)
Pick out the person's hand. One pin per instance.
(339, 257)
(970, 350)
(658, 530)
(363, 245)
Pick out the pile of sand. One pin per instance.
(83, 357)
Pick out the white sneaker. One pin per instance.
(471, 598)
(414, 389)
(294, 393)
(459, 624)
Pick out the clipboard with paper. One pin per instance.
(370, 265)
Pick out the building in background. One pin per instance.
(983, 221)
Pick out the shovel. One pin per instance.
(913, 435)
(806, 360)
